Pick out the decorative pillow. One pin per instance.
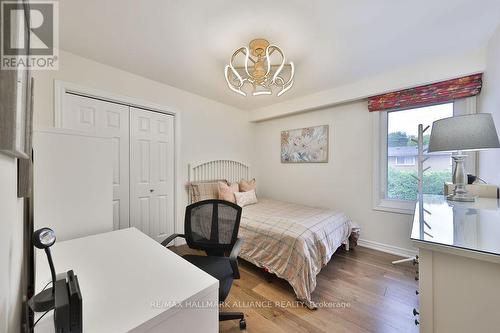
(248, 185)
(226, 192)
(204, 190)
(245, 198)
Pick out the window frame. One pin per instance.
(380, 158)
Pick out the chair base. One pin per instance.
(223, 316)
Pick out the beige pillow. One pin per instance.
(226, 192)
(204, 190)
(248, 185)
(245, 198)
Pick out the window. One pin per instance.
(396, 154)
(405, 160)
(402, 129)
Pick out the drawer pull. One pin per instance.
(416, 322)
(415, 312)
(416, 292)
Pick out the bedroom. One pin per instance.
(169, 57)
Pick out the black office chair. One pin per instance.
(212, 226)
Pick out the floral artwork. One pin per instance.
(305, 145)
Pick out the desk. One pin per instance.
(130, 283)
(459, 264)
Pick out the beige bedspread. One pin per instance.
(293, 241)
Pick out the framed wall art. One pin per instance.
(305, 145)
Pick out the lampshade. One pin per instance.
(469, 132)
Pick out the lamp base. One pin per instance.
(43, 301)
(461, 197)
(460, 192)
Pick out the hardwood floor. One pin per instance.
(369, 293)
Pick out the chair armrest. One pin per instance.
(171, 238)
(233, 257)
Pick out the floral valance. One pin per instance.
(435, 93)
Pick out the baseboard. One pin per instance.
(399, 251)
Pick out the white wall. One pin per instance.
(344, 183)
(208, 129)
(11, 247)
(489, 100)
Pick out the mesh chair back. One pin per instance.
(212, 225)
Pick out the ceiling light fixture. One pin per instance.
(253, 65)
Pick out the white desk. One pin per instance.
(459, 265)
(130, 283)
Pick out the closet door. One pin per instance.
(152, 173)
(109, 120)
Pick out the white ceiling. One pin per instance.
(186, 43)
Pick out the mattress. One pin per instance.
(293, 241)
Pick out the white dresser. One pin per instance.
(459, 265)
(130, 283)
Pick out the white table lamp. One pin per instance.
(463, 133)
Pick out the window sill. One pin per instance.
(398, 207)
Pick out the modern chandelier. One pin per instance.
(261, 66)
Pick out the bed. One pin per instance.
(289, 240)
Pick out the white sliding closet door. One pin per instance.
(110, 120)
(152, 173)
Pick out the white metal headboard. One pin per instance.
(232, 171)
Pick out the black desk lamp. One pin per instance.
(64, 296)
(43, 239)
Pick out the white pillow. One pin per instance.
(245, 198)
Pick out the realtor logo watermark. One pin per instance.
(34, 45)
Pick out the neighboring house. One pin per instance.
(402, 158)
